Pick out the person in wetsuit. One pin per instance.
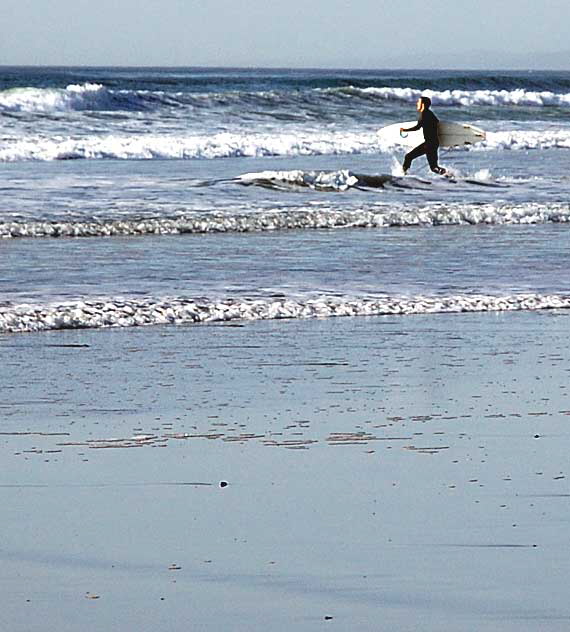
(428, 122)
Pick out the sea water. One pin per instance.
(141, 196)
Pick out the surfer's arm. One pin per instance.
(416, 127)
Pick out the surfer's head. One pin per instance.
(423, 103)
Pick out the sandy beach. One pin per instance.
(387, 473)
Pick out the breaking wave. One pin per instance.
(88, 96)
(96, 97)
(297, 219)
(494, 98)
(93, 314)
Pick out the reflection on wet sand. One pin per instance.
(429, 456)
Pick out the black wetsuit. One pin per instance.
(428, 122)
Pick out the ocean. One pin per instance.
(141, 196)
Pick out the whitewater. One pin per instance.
(107, 123)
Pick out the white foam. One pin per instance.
(244, 144)
(517, 97)
(140, 312)
(484, 175)
(321, 217)
(221, 145)
(396, 168)
(318, 180)
(524, 140)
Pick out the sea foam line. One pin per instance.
(247, 144)
(297, 219)
(94, 314)
(239, 144)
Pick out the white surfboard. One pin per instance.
(450, 134)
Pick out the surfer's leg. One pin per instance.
(431, 155)
(420, 150)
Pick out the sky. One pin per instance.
(287, 33)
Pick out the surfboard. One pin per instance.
(450, 134)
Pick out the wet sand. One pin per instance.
(387, 473)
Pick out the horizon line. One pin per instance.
(284, 67)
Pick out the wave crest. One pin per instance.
(88, 96)
(79, 98)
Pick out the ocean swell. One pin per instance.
(281, 103)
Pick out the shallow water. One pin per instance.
(226, 241)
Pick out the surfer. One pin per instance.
(428, 121)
